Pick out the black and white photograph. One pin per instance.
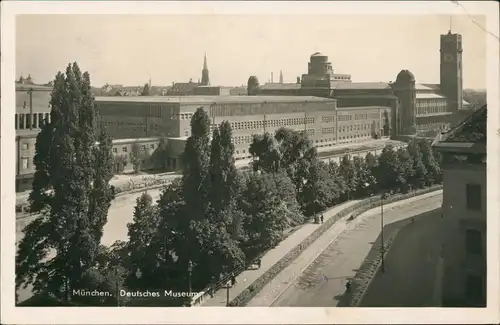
(250, 155)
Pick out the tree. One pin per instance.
(265, 153)
(388, 170)
(119, 164)
(405, 170)
(387, 125)
(141, 233)
(316, 193)
(265, 214)
(338, 180)
(348, 170)
(71, 181)
(135, 157)
(145, 90)
(431, 163)
(223, 172)
(420, 176)
(366, 180)
(196, 162)
(252, 86)
(160, 155)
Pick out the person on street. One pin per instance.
(322, 218)
(233, 279)
(348, 286)
(259, 262)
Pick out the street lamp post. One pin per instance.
(190, 270)
(382, 197)
(227, 292)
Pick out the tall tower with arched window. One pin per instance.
(451, 76)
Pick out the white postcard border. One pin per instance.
(249, 315)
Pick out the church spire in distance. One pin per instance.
(205, 80)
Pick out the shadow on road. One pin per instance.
(367, 270)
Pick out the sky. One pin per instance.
(129, 49)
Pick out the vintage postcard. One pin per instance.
(328, 158)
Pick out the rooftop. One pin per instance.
(26, 87)
(213, 99)
(471, 131)
(287, 86)
(427, 87)
(318, 54)
(429, 96)
(362, 85)
(361, 108)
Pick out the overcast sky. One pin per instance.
(125, 49)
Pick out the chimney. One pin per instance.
(272, 78)
(298, 80)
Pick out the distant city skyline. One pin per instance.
(128, 49)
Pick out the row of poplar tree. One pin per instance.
(212, 221)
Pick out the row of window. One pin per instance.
(142, 148)
(267, 108)
(251, 125)
(359, 116)
(327, 119)
(134, 126)
(131, 110)
(431, 109)
(431, 102)
(183, 116)
(23, 121)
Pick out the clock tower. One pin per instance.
(451, 77)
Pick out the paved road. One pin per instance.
(323, 282)
(411, 273)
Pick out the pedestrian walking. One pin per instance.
(348, 286)
(233, 279)
(322, 218)
(259, 262)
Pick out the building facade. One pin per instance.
(419, 109)
(464, 212)
(148, 117)
(32, 110)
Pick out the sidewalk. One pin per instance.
(285, 278)
(275, 288)
(247, 277)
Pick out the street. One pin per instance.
(410, 274)
(322, 284)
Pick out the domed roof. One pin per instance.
(318, 54)
(405, 75)
(253, 79)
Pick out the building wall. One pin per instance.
(457, 219)
(211, 91)
(431, 106)
(124, 120)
